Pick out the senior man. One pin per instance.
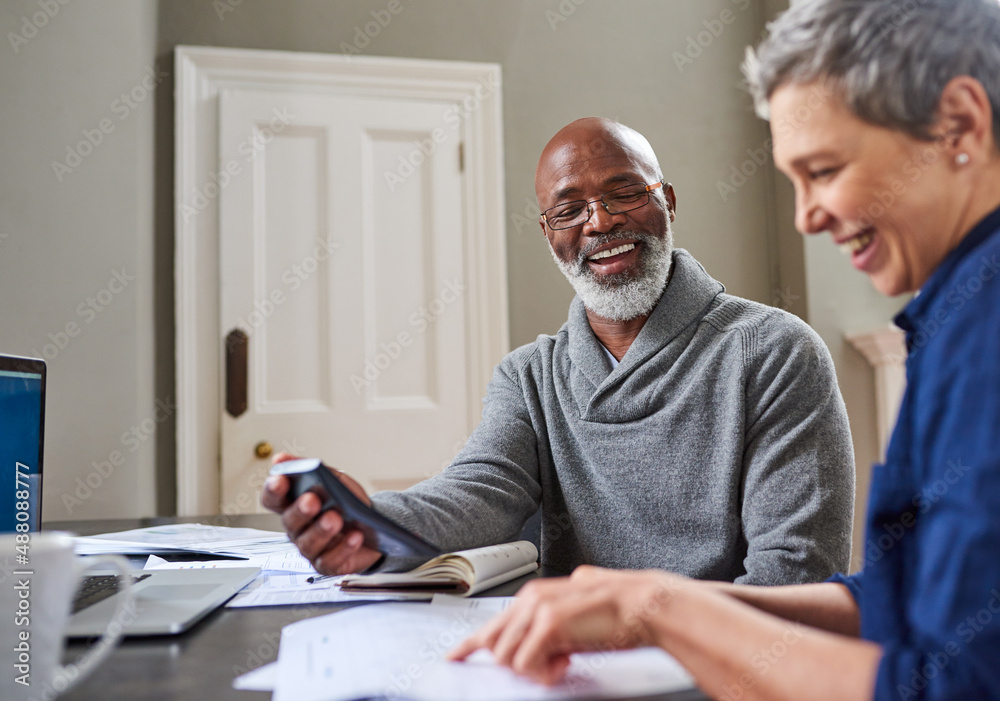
(667, 425)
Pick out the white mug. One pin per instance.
(38, 576)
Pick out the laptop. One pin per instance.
(22, 420)
(166, 602)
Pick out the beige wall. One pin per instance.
(69, 234)
(561, 59)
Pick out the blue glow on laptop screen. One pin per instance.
(20, 449)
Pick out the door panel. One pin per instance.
(341, 257)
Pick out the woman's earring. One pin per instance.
(962, 159)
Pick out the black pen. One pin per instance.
(319, 578)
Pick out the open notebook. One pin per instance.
(462, 573)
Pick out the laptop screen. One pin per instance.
(22, 421)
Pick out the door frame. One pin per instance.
(201, 73)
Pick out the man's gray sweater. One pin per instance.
(719, 448)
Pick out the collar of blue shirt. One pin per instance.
(931, 293)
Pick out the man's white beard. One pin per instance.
(622, 297)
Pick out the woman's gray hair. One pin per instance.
(889, 60)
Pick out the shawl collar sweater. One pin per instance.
(719, 447)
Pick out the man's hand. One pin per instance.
(552, 618)
(324, 541)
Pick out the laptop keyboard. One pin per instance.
(98, 588)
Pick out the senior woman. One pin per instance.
(885, 115)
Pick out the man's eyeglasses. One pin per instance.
(617, 201)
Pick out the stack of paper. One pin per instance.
(286, 577)
(192, 537)
(269, 550)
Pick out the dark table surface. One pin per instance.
(202, 663)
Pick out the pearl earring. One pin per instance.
(962, 159)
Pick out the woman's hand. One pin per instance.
(593, 609)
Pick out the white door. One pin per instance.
(322, 212)
(342, 264)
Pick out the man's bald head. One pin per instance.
(617, 256)
(590, 142)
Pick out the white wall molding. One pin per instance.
(885, 351)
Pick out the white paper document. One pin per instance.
(154, 562)
(260, 679)
(397, 650)
(196, 537)
(281, 582)
(489, 606)
(290, 588)
(287, 559)
(268, 550)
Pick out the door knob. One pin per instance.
(263, 449)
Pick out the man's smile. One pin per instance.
(611, 252)
(613, 257)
